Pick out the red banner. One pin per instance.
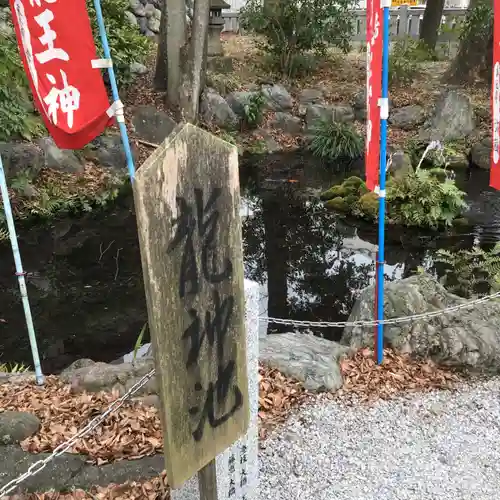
(57, 48)
(495, 100)
(373, 91)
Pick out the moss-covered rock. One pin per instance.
(368, 204)
(333, 192)
(353, 183)
(338, 204)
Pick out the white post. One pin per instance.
(237, 468)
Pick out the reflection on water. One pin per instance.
(85, 280)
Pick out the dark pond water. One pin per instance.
(85, 283)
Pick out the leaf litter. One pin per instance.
(134, 430)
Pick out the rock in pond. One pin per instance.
(467, 338)
(15, 426)
(481, 153)
(312, 360)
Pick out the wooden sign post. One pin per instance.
(187, 204)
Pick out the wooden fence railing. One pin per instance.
(405, 22)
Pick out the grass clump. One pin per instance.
(335, 141)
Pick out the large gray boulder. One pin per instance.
(468, 337)
(94, 377)
(453, 118)
(215, 109)
(312, 360)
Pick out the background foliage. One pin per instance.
(290, 29)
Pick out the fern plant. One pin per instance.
(13, 368)
(425, 198)
(470, 273)
(333, 141)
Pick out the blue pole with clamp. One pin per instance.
(20, 275)
(384, 115)
(117, 104)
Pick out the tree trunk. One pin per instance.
(475, 49)
(161, 71)
(176, 40)
(431, 22)
(192, 63)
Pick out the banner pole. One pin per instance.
(384, 115)
(118, 105)
(20, 275)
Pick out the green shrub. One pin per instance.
(127, 45)
(17, 118)
(470, 273)
(403, 62)
(253, 111)
(336, 141)
(291, 29)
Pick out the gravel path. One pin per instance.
(440, 445)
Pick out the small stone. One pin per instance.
(277, 97)
(310, 96)
(154, 24)
(151, 124)
(15, 426)
(150, 10)
(287, 123)
(239, 99)
(401, 164)
(138, 68)
(407, 117)
(107, 151)
(315, 113)
(131, 19)
(343, 113)
(137, 8)
(150, 400)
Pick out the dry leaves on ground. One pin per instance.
(134, 430)
(398, 374)
(152, 489)
(278, 395)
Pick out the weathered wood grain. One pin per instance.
(184, 283)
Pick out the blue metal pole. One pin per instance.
(116, 97)
(20, 275)
(384, 112)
